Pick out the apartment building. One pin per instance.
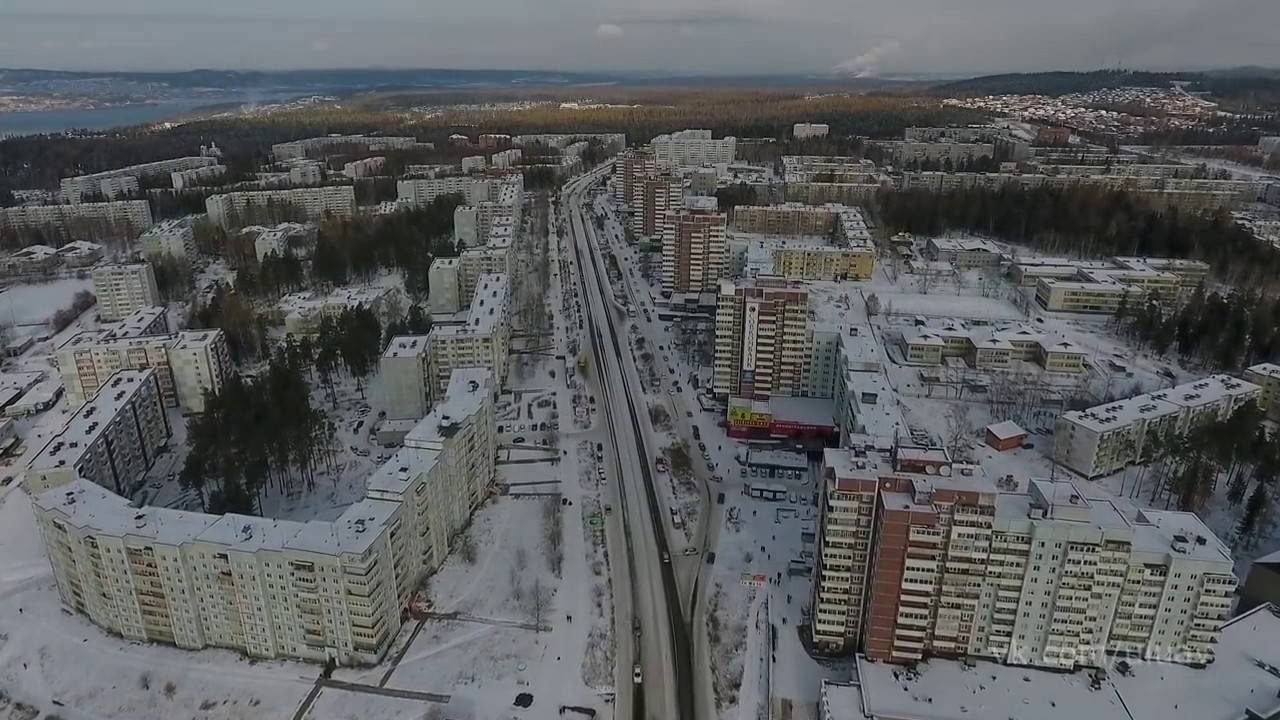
(905, 152)
(483, 340)
(1267, 377)
(445, 280)
(692, 148)
(1107, 438)
(311, 147)
(113, 184)
(313, 203)
(195, 177)
(762, 329)
(317, 590)
(629, 170)
(201, 364)
(661, 197)
(171, 237)
(365, 167)
(693, 248)
(913, 564)
(305, 173)
(473, 163)
(118, 219)
(185, 364)
(787, 219)
(296, 239)
(111, 441)
(806, 131)
(494, 258)
(408, 384)
(123, 288)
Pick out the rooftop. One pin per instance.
(1006, 430)
(91, 420)
(1242, 682)
(407, 346)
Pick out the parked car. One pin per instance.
(518, 440)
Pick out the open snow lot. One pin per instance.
(33, 303)
(48, 654)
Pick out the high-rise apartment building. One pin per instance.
(918, 557)
(1267, 377)
(694, 254)
(171, 237)
(762, 330)
(108, 185)
(111, 440)
(318, 590)
(124, 287)
(186, 363)
(661, 197)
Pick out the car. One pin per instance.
(711, 558)
(542, 442)
(742, 472)
(719, 498)
(688, 413)
(636, 676)
(754, 472)
(711, 467)
(1028, 446)
(666, 558)
(608, 509)
(697, 434)
(6, 480)
(706, 455)
(702, 446)
(691, 550)
(519, 440)
(359, 424)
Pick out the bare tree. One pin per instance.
(539, 603)
(959, 429)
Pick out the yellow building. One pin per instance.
(824, 262)
(925, 348)
(1266, 376)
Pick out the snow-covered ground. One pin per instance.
(32, 303)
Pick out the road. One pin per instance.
(691, 571)
(664, 648)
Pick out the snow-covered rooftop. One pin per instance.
(91, 420)
(1242, 682)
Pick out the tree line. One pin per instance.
(1186, 469)
(1219, 331)
(1085, 221)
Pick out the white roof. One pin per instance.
(1006, 430)
(90, 421)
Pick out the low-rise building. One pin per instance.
(964, 253)
(1267, 377)
(237, 209)
(367, 167)
(1107, 438)
(296, 239)
(805, 131)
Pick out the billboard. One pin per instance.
(750, 327)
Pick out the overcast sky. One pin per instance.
(698, 36)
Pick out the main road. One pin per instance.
(664, 652)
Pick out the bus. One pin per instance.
(772, 493)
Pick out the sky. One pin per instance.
(856, 37)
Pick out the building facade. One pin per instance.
(694, 258)
(762, 330)
(171, 237)
(317, 590)
(315, 203)
(912, 565)
(123, 288)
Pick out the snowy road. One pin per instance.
(666, 690)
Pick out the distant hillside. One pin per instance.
(1056, 83)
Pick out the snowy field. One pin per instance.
(28, 304)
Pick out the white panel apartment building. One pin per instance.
(692, 148)
(237, 208)
(186, 363)
(184, 179)
(1107, 438)
(108, 185)
(110, 441)
(123, 288)
(123, 218)
(297, 149)
(444, 277)
(279, 588)
(171, 237)
(912, 565)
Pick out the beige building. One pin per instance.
(185, 364)
(992, 349)
(171, 237)
(483, 340)
(694, 254)
(787, 219)
(915, 564)
(823, 262)
(312, 203)
(317, 590)
(118, 219)
(108, 184)
(1267, 377)
(692, 148)
(123, 288)
(762, 332)
(408, 383)
(1107, 438)
(964, 253)
(111, 441)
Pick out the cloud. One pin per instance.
(608, 30)
(868, 63)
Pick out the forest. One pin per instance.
(1086, 222)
